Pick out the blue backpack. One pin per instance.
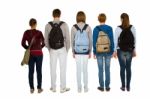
(81, 40)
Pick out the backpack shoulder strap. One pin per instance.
(120, 27)
(85, 26)
(76, 26)
(130, 26)
(51, 23)
(61, 22)
(32, 40)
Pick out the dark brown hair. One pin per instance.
(32, 22)
(80, 17)
(56, 13)
(125, 20)
(102, 17)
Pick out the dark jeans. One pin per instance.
(125, 59)
(38, 61)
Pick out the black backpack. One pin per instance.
(126, 40)
(56, 39)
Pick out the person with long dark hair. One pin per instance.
(125, 41)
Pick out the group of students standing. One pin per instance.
(105, 46)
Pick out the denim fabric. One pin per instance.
(38, 61)
(104, 65)
(125, 59)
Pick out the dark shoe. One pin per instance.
(108, 89)
(31, 91)
(40, 90)
(100, 88)
(128, 89)
(122, 88)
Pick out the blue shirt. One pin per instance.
(107, 29)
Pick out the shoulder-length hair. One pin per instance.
(80, 17)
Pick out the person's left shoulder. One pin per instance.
(97, 28)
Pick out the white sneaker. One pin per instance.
(86, 89)
(64, 90)
(79, 90)
(53, 89)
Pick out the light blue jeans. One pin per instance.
(104, 62)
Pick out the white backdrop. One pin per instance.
(14, 18)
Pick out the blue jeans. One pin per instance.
(38, 61)
(125, 59)
(104, 61)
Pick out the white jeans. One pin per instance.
(81, 63)
(61, 55)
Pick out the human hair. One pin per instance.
(102, 17)
(125, 20)
(56, 13)
(32, 22)
(80, 17)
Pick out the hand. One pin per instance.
(94, 56)
(115, 54)
(134, 54)
(89, 55)
(73, 55)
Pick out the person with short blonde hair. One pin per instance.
(102, 17)
(103, 57)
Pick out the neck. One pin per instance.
(102, 23)
(56, 19)
(32, 28)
